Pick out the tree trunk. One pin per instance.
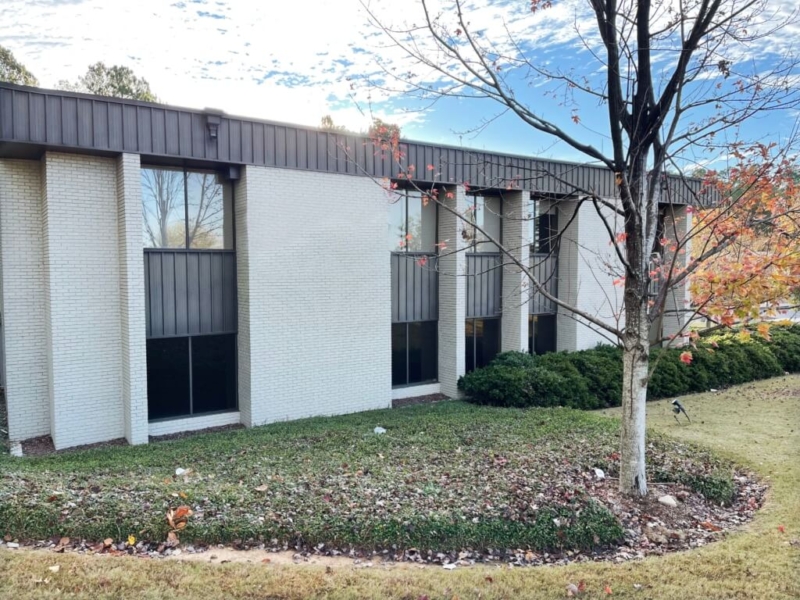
(636, 350)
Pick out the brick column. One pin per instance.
(131, 289)
(516, 286)
(82, 299)
(452, 293)
(251, 207)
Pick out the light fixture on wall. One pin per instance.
(213, 120)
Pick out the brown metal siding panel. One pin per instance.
(144, 131)
(247, 143)
(269, 145)
(69, 121)
(6, 114)
(185, 147)
(223, 140)
(258, 143)
(53, 109)
(235, 140)
(21, 120)
(100, 125)
(198, 136)
(291, 147)
(38, 118)
(85, 123)
(172, 133)
(130, 129)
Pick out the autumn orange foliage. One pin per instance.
(755, 228)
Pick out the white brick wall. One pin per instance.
(23, 299)
(82, 267)
(516, 286)
(131, 289)
(314, 295)
(452, 294)
(584, 277)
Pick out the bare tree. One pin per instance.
(673, 77)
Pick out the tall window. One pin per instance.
(190, 278)
(412, 233)
(186, 209)
(412, 223)
(487, 213)
(483, 342)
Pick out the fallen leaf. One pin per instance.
(172, 539)
(183, 495)
(178, 517)
(107, 542)
(262, 488)
(781, 528)
(581, 586)
(55, 568)
(64, 541)
(266, 561)
(710, 526)
(572, 590)
(131, 540)
(489, 579)
(607, 590)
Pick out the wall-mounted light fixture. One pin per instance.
(213, 119)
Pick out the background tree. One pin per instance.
(669, 77)
(117, 81)
(326, 123)
(13, 71)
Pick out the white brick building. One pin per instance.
(164, 269)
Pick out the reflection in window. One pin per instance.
(412, 223)
(414, 352)
(483, 342)
(207, 212)
(186, 210)
(541, 334)
(163, 209)
(487, 214)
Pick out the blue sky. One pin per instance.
(296, 61)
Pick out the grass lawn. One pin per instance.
(449, 459)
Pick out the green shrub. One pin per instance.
(593, 378)
(716, 486)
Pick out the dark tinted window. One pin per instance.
(168, 377)
(213, 373)
(483, 342)
(414, 352)
(542, 333)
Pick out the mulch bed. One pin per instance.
(43, 445)
(428, 399)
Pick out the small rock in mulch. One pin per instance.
(668, 500)
(428, 399)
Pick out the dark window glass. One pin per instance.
(213, 373)
(168, 378)
(414, 352)
(546, 233)
(397, 224)
(483, 342)
(163, 208)
(542, 333)
(422, 351)
(399, 354)
(210, 223)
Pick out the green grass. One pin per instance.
(756, 424)
(444, 477)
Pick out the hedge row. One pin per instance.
(592, 379)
